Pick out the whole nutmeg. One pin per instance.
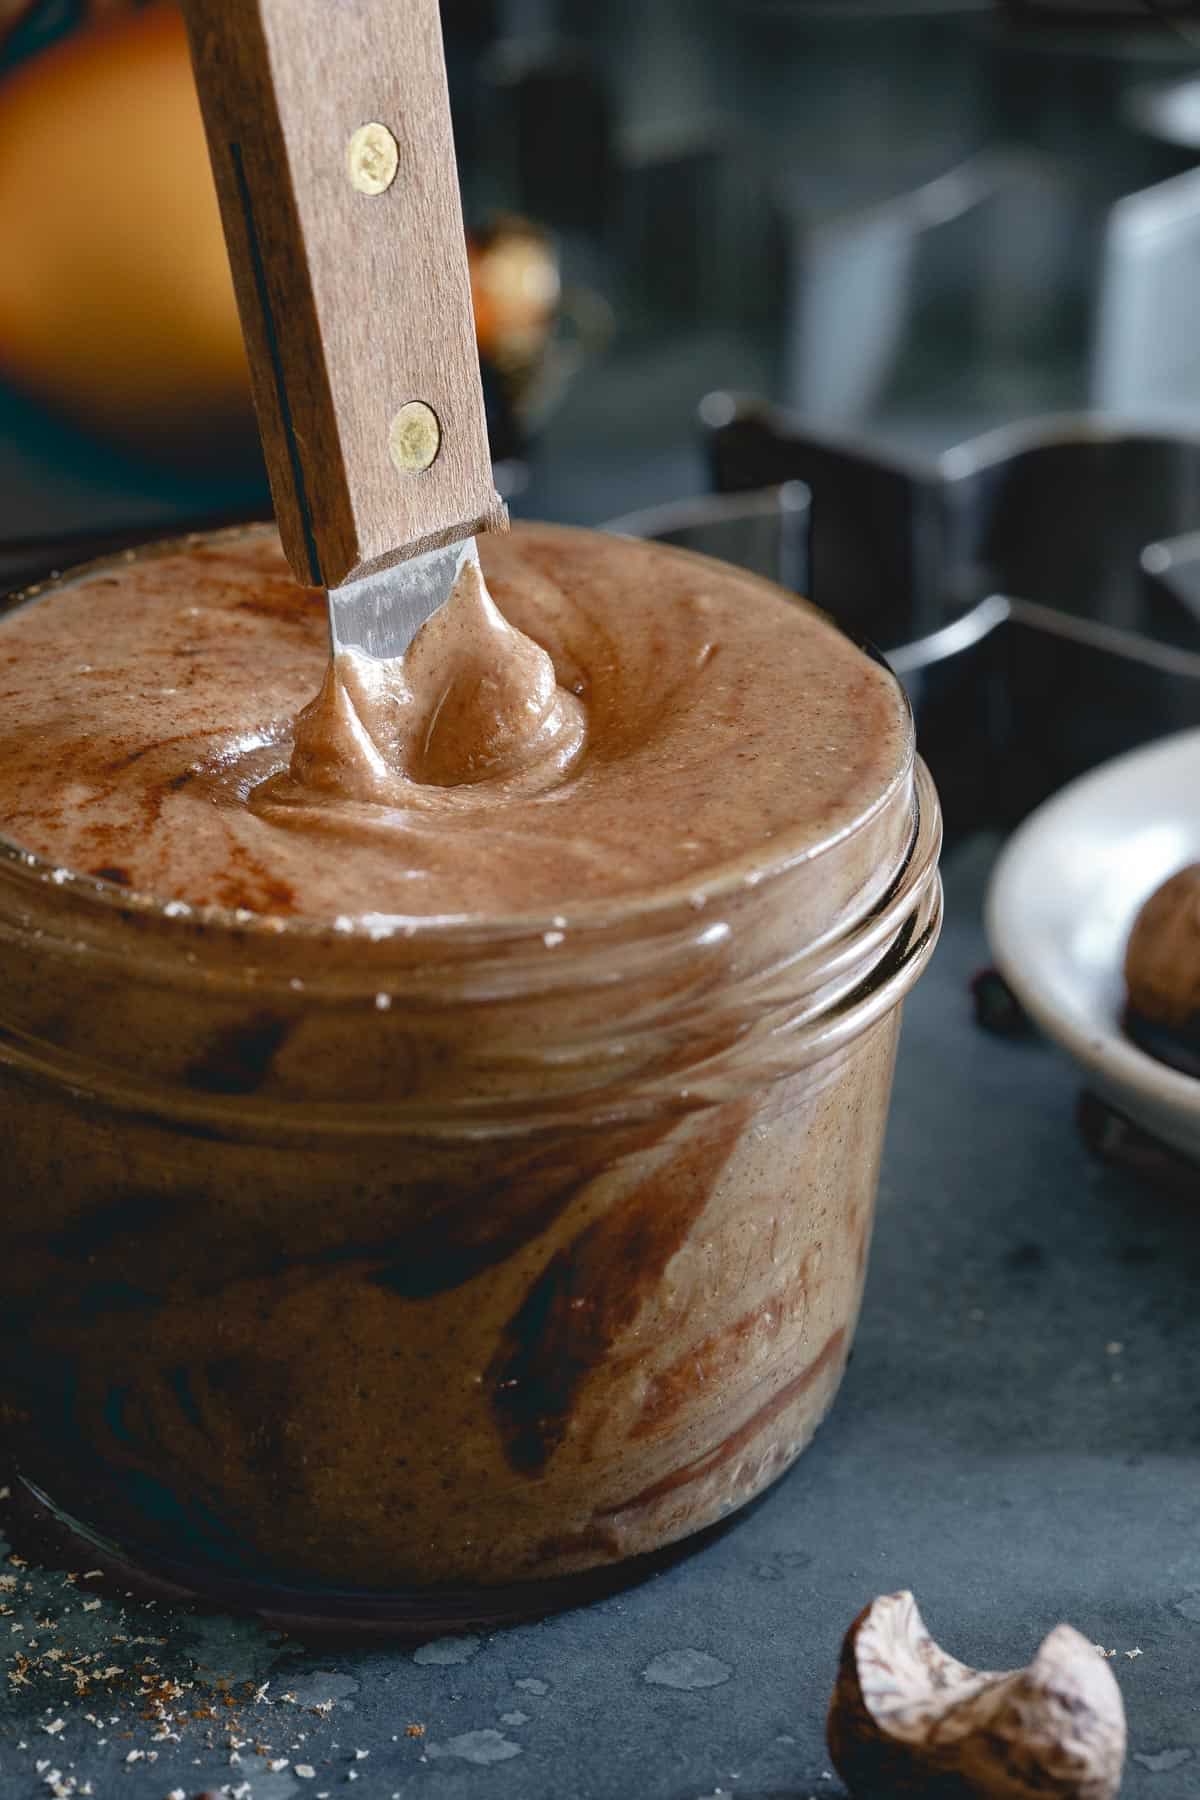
(1162, 959)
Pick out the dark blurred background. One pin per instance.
(904, 220)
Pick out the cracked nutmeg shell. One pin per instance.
(907, 1719)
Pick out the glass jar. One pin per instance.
(419, 1271)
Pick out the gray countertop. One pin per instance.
(1017, 1441)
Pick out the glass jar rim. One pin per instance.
(717, 1029)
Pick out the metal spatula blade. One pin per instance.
(382, 613)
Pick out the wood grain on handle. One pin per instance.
(352, 304)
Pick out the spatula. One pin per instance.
(329, 130)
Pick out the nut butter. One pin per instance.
(441, 1118)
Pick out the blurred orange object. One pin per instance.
(116, 305)
(516, 290)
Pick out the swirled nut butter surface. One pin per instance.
(604, 719)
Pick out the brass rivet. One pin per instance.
(372, 159)
(415, 437)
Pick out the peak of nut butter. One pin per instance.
(605, 719)
(472, 700)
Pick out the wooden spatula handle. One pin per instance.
(329, 129)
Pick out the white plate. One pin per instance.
(1062, 899)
